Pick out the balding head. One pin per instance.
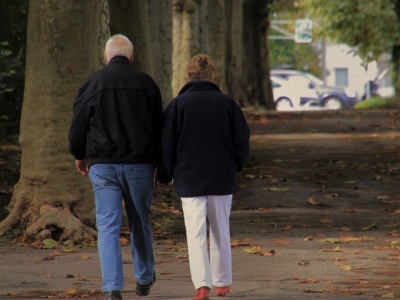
(118, 45)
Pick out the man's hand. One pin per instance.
(82, 167)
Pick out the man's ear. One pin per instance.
(187, 77)
(131, 58)
(105, 58)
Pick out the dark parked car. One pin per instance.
(329, 97)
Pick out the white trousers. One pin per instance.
(214, 269)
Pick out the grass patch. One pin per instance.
(377, 102)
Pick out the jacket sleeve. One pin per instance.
(158, 125)
(170, 139)
(241, 136)
(77, 134)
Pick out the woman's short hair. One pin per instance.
(200, 67)
(118, 45)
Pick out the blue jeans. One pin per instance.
(132, 183)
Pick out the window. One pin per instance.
(341, 77)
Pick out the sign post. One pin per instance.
(303, 31)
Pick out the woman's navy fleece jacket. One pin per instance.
(205, 141)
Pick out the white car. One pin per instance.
(292, 95)
(329, 97)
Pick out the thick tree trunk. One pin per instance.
(235, 60)
(160, 16)
(189, 37)
(255, 18)
(396, 56)
(51, 199)
(148, 24)
(218, 40)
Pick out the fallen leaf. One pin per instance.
(348, 210)
(372, 226)
(395, 244)
(366, 238)
(330, 240)
(340, 259)
(250, 176)
(258, 220)
(236, 243)
(71, 250)
(353, 252)
(309, 280)
(70, 291)
(313, 291)
(282, 242)
(347, 267)
(277, 189)
(287, 228)
(345, 228)
(253, 250)
(49, 244)
(312, 201)
(308, 238)
(11, 293)
(389, 295)
(348, 239)
(326, 221)
(263, 209)
(268, 253)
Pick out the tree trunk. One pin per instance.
(255, 18)
(396, 56)
(150, 30)
(235, 60)
(218, 38)
(51, 199)
(189, 37)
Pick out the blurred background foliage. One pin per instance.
(14, 17)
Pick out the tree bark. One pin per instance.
(51, 199)
(189, 37)
(218, 37)
(255, 18)
(150, 30)
(236, 79)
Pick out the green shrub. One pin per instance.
(375, 102)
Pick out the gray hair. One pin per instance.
(118, 45)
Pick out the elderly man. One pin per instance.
(115, 137)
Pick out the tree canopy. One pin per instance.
(370, 27)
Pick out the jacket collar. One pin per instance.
(119, 60)
(199, 85)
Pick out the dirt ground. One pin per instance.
(317, 213)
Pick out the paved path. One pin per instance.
(325, 201)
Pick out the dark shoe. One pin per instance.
(112, 295)
(144, 289)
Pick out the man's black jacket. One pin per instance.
(205, 141)
(117, 117)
